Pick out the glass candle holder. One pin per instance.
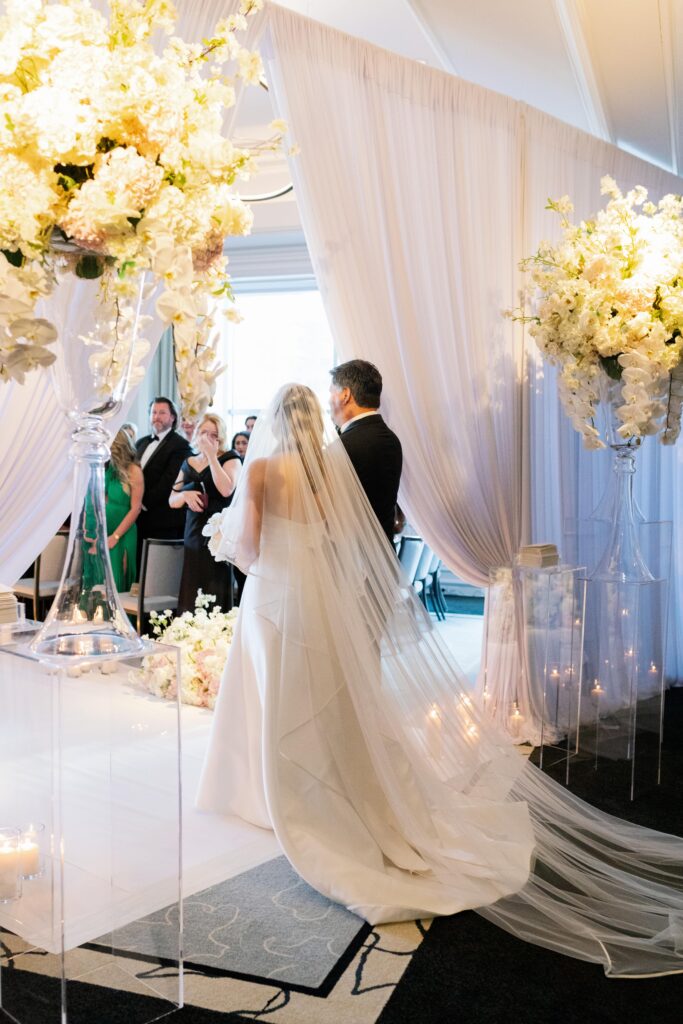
(10, 865)
(32, 851)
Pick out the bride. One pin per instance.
(344, 724)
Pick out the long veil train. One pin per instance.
(387, 788)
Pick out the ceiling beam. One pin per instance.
(570, 15)
(430, 35)
(667, 37)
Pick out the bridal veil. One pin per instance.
(389, 771)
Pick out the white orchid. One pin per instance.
(609, 301)
(112, 149)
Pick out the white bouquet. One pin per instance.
(609, 305)
(204, 639)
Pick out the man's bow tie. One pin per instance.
(154, 437)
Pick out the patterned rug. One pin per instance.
(264, 925)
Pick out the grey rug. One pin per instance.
(265, 924)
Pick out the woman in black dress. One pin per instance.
(205, 485)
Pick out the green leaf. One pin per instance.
(89, 267)
(14, 256)
(611, 366)
(66, 182)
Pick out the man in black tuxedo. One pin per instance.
(373, 448)
(161, 455)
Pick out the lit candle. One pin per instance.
(653, 668)
(555, 673)
(10, 866)
(29, 854)
(597, 690)
(629, 653)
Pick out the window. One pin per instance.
(284, 337)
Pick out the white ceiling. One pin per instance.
(610, 67)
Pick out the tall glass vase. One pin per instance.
(95, 351)
(622, 559)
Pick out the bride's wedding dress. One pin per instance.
(344, 724)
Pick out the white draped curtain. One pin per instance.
(419, 194)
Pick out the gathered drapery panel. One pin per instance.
(35, 471)
(407, 182)
(419, 194)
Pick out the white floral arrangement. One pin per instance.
(609, 306)
(204, 639)
(113, 161)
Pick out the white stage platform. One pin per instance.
(118, 805)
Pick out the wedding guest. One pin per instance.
(132, 430)
(374, 450)
(187, 429)
(249, 423)
(161, 455)
(123, 490)
(205, 485)
(239, 443)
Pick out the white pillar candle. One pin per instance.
(29, 853)
(10, 870)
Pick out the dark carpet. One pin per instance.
(468, 968)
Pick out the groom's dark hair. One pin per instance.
(363, 380)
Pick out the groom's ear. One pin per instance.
(345, 395)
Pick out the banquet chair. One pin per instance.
(423, 579)
(409, 555)
(47, 572)
(160, 572)
(435, 593)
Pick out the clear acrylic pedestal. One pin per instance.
(551, 610)
(622, 698)
(86, 753)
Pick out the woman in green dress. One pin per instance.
(123, 489)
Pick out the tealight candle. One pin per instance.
(10, 865)
(30, 851)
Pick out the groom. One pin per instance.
(373, 448)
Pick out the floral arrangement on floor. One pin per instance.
(610, 308)
(204, 639)
(113, 160)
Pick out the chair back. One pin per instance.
(51, 560)
(434, 564)
(48, 567)
(161, 569)
(409, 555)
(422, 569)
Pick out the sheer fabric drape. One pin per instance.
(419, 193)
(35, 471)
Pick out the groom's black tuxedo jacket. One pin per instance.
(159, 519)
(377, 458)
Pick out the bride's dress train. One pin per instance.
(344, 724)
(287, 752)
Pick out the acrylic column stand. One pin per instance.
(624, 652)
(88, 754)
(551, 608)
